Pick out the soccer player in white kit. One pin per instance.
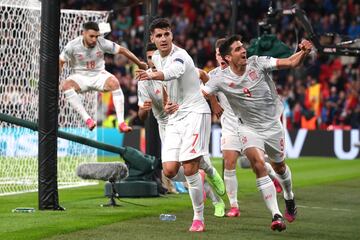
(252, 96)
(188, 128)
(152, 96)
(85, 57)
(230, 142)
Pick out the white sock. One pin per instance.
(180, 176)
(231, 185)
(206, 165)
(268, 192)
(196, 195)
(118, 99)
(75, 102)
(270, 170)
(286, 183)
(210, 193)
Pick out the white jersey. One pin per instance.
(252, 96)
(228, 119)
(87, 61)
(152, 90)
(182, 82)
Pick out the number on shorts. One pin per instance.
(90, 64)
(247, 92)
(195, 139)
(282, 144)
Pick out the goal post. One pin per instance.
(20, 24)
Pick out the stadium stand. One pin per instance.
(324, 96)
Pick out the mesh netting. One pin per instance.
(19, 76)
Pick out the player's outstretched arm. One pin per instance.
(127, 53)
(174, 71)
(143, 75)
(295, 59)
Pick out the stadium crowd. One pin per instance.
(324, 94)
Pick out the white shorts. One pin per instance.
(229, 124)
(188, 138)
(271, 141)
(230, 142)
(162, 128)
(87, 83)
(229, 137)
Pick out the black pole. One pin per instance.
(146, 9)
(150, 10)
(152, 138)
(48, 105)
(234, 13)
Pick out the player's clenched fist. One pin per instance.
(305, 45)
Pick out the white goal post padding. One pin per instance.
(19, 76)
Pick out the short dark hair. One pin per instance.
(151, 47)
(219, 42)
(225, 47)
(91, 26)
(161, 23)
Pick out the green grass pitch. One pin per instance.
(327, 193)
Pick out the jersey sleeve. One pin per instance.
(66, 53)
(108, 46)
(143, 94)
(177, 67)
(267, 63)
(211, 86)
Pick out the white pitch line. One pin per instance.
(321, 208)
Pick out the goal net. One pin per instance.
(20, 22)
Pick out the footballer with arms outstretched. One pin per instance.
(85, 56)
(188, 128)
(252, 95)
(230, 142)
(152, 95)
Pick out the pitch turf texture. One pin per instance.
(327, 193)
